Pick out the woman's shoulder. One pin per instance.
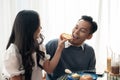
(12, 49)
(11, 52)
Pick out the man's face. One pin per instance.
(81, 32)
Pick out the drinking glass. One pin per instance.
(109, 56)
(115, 63)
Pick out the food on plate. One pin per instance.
(68, 71)
(86, 77)
(66, 36)
(75, 75)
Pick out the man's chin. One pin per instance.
(74, 42)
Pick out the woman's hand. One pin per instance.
(61, 42)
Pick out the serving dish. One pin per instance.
(93, 75)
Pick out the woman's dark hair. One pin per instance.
(90, 20)
(25, 24)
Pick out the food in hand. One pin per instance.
(75, 75)
(86, 77)
(66, 36)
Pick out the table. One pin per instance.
(65, 78)
(106, 76)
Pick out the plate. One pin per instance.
(94, 76)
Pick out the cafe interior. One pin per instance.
(58, 16)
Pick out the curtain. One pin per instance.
(59, 16)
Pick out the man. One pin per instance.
(76, 55)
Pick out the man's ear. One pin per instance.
(89, 36)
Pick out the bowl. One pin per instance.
(93, 75)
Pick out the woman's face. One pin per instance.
(81, 32)
(37, 33)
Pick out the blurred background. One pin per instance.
(58, 16)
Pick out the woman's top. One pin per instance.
(12, 63)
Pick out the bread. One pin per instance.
(68, 71)
(86, 77)
(75, 75)
(66, 36)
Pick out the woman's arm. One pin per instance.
(49, 66)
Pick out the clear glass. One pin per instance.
(115, 63)
(119, 62)
(109, 56)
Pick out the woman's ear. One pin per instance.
(89, 36)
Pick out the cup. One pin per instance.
(115, 64)
(119, 62)
(109, 64)
(109, 56)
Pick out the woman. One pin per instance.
(25, 56)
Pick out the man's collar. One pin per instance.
(68, 44)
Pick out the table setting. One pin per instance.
(81, 75)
